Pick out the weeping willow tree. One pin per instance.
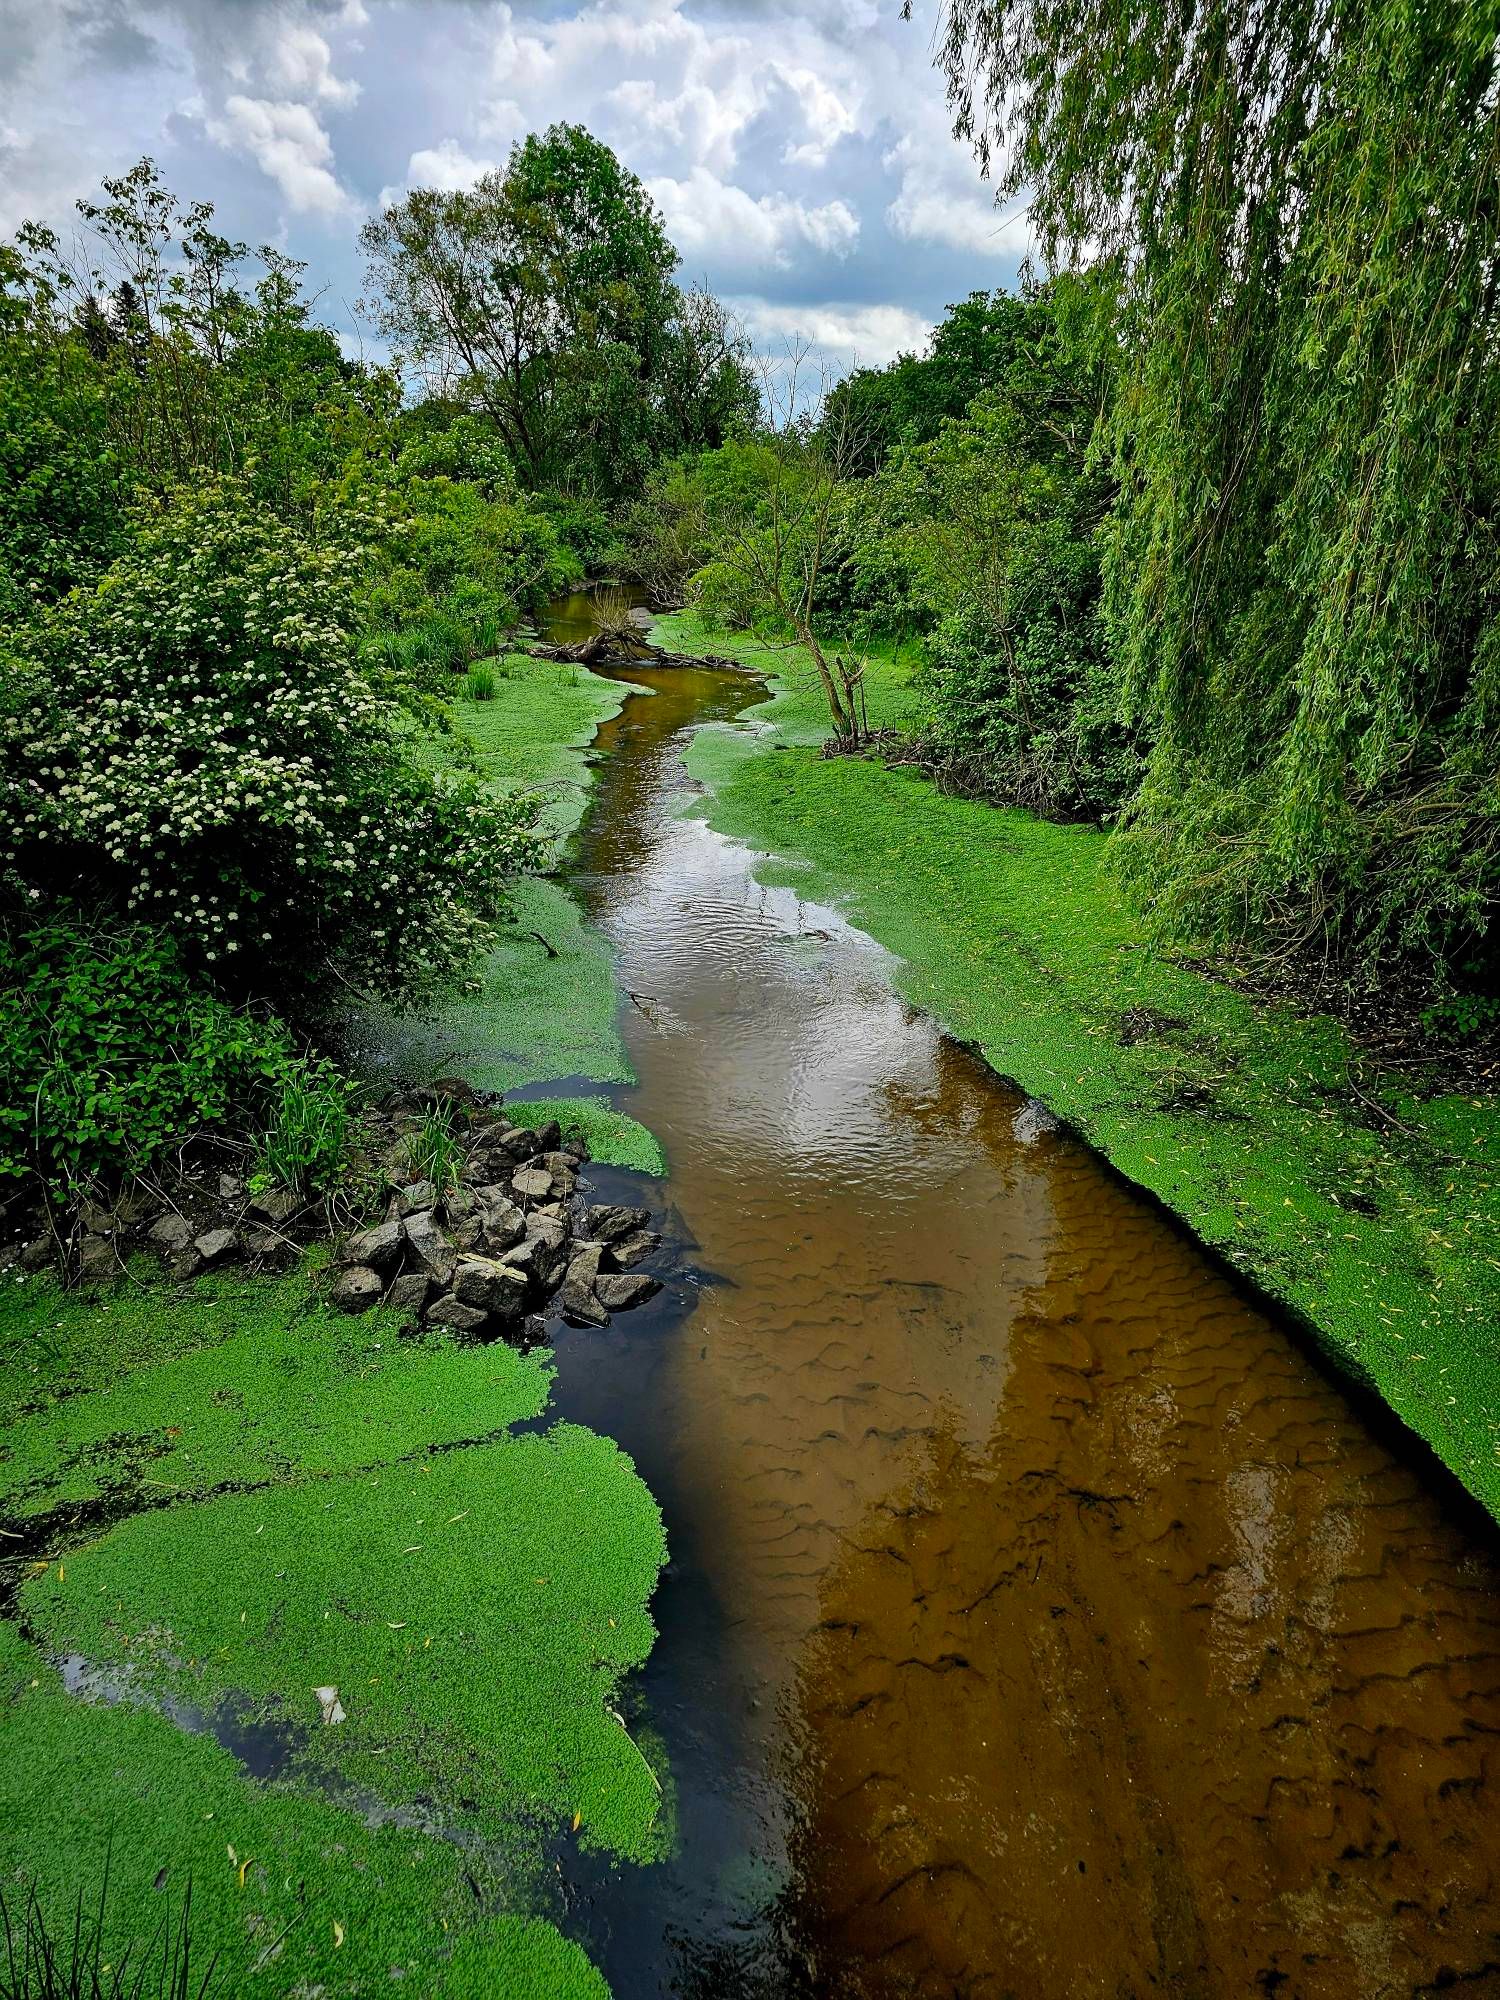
(1290, 208)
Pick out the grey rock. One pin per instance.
(549, 1229)
(610, 1224)
(468, 1234)
(633, 1250)
(458, 1204)
(618, 1293)
(409, 1292)
(503, 1222)
(276, 1205)
(266, 1246)
(1032, 1121)
(563, 1171)
(231, 1188)
(532, 1183)
(37, 1254)
(170, 1233)
(96, 1219)
(518, 1142)
(215, 1245)
(578, 1304)
(453, 1313)
(490, 1287)
(549, 1136)
(98, 1260)
(418, 1195)
(356, 1290)
(430, 1247)
(381, 1248)
(583, 1265)
(523, 1256)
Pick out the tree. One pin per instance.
(773, 527)
(972, 348)
(1292, 212)
(544, 296)
(195, 741)
(196, 362)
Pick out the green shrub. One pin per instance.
(479, 684)
(435, 1150)
(196, 739)
(304, 1144)
(109, 1054)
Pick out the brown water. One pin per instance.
(1041, 1622)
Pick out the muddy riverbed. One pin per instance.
(1041, 1621)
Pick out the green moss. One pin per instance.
(475, 1609)
(144, 1394)
(546, 1007)
(529, 738)
(611, 1136)
(278, 1877)
(1374, 1218)
(543, 1011)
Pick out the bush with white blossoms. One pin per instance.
(193, 745)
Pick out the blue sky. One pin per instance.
(801, 155)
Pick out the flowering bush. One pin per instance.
(193, 744)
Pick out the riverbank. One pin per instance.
(543, 1015)
(1368, 1213)
(347, 1621)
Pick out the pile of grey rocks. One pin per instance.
(509, 1240)
(512, 1239)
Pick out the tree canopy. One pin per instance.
(1291, 210)
(545, 295)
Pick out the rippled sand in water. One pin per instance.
(1042, 1622)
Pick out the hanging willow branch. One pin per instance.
(1289, 212)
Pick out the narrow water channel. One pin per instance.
(1040, 1620)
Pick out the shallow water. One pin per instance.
(1041, 1621)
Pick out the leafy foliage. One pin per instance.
(109, 1054)
(195, 739)
(1301, 571)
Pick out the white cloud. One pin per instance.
(446, 166)
(301, 65)
(710, 218)
(847, 336)
(942, 200)
(825, 114)
(681, 86)
(286, 141)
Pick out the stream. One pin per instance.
(1040, 1619)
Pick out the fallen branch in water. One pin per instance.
(608, 649)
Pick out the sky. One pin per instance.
(801, 154)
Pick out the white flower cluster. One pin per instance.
(197, 734)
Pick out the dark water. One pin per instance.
(1041, 1622)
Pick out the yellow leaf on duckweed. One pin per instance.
(338, 1933)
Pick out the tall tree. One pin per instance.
(544, 296)
(1296, 204)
